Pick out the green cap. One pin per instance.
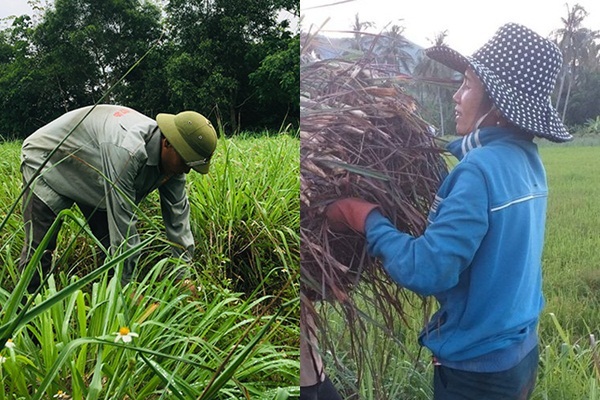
(192, 135)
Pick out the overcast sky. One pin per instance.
(14, 7)
(470, 23)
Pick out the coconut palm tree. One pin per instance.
(436, 79)
(576, 44)
(391, 50)
(357, 29)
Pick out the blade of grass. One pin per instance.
(7, 328)
(71, 346)
(178, 387)
(223, 373)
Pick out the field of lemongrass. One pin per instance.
(231, 332)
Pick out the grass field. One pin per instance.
(230, 333)
(246, 219)
(569, 362)
(571, 267)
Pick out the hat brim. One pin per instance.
(166, 124)
(539, 118)
(449, 57)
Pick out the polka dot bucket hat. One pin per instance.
(518, 68)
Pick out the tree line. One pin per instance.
(235, 61)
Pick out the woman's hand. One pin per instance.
(349, 213)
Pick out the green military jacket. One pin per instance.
(110, 161)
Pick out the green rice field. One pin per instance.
(569, 325)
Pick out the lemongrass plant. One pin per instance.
(248, 211)
(204, 339)
(187, 342)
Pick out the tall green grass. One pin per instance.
(569, 324)
(231, 332)
(251, 211)
(571, 265)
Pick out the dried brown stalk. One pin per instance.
(361, 140)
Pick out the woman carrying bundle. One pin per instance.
(480, 255)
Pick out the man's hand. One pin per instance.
(350, 213)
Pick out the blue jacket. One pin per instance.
(480, 255)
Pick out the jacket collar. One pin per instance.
(153, 148)
(484, 136)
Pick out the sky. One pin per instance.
(14, 7)
(469, 23)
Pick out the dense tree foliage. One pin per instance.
(584, 103)
(232, 60)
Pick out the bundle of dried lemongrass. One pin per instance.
(361, 136)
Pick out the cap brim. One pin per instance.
(166, 124)
(203, 169)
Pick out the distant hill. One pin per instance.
(401, 58)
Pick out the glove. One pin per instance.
(350, 213)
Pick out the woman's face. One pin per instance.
(472, 102)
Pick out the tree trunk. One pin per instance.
(441, 108)
(560, 88)
(564, 111)
(233, 119)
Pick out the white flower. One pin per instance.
(125, 335)
(61, 395)
(9, 344)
